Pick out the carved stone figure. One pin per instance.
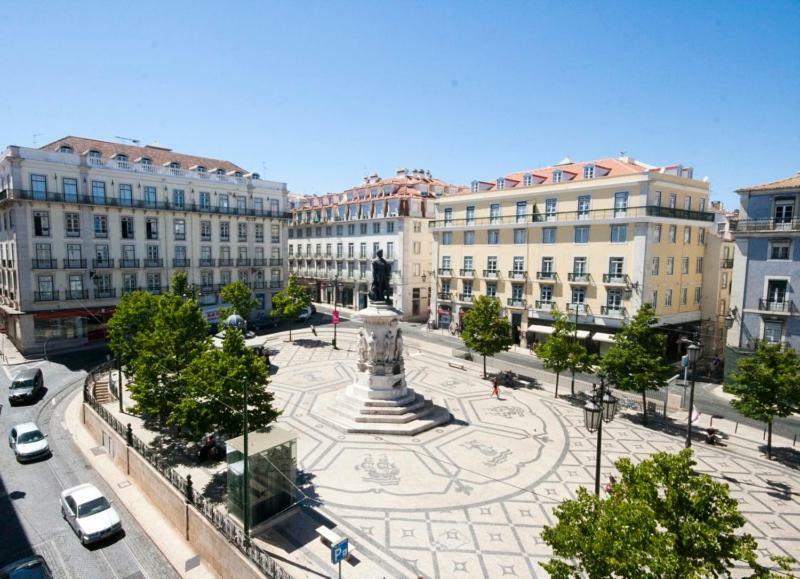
(398, 345)
(371, 347)
(381, 272)
(363, 348)
(388, 346)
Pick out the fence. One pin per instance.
(218, 519)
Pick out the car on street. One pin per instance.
(34, 567)
(28, 442)
(89, 513)
(26, 385)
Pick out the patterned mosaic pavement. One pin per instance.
(470, 499)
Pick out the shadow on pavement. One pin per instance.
(15, 544)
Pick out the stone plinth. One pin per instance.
(378, 401)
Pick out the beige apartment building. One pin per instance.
(595, 239)
(334, 237)
(84, 221)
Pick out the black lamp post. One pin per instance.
(335, 310)
(693, 351)
(599, 409)
(572, 386)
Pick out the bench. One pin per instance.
(457, 366)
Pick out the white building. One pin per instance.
(85, 221)
(333, 239)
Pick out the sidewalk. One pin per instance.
(171, 542)
(9, 354)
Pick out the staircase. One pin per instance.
(100, 390)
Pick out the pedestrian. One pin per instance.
(495, 387)
(313, 330)
(609, 486)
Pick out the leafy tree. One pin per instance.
(132, 317)
(180, 286)
(580, 360)
(660, 520)
(241, 299)
(485, 330)
(213, 391)
(634, 362)
(557, 352)
(766, 385)
(290, 301)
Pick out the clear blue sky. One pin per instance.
(319, 94)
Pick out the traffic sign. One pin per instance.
(339, 551)
(335, 317)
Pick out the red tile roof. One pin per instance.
(792, 182)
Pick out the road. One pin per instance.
(29, 508)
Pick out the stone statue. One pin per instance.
(381, 272)
(398, 345)
(388, 346)
(363, 348)
(371, 347)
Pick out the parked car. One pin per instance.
(27, 385)
(28, 442)
(89, 513)
(307, 312)
(34, 567)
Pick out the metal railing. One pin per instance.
(726, 264)
(579, 277)
(103, 263)
(76, 294)
(580, 307)
(616, 278)
(225, 261)
(546, 275)
(784, 307)
(206, 262)
(74, 263)
(443, 295)
(491, 273)
(517, 274)
(466, 272)
(444, 271)
(103, 293)
(128, 263)
(149, 262)
(516, 302)
(545, 305)
(764, 225)
(44, 264)
(180, 262)
(613, 311)
(51, 296)
(466, 298)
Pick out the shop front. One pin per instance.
(444, 316)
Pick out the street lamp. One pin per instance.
(692, 352)
(601, 408)
(335, 310)
(572, 386)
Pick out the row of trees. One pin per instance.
(766, 384)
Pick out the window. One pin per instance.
(149, 196)
(491, 289)
(417, 226)
(469, 238)
(687, 202)
(446, 286)
(448, 215)
(616, 267)
(657, 233)
(491, 263)
(468, 263)
(376, 227)
(242, 231)
(76, 285)
(673, 200)
(701, 236)
(654, 263)
(351, 250)
(673, 233)
(668, 298)
(470, 215)
(340, 250)
(241, 204)
(39, 186)
(494, 213)
(70, 189)
(65, 149)
(550, 206)
(684, 265)
(179, 228)
(259, 232)
(73, 224)
(205, 200)
(518, 264)
(446, 264)
(578, 297)
(619, 233)
(275, 233)
(125, 195)
(654, 298)
(687, 234)
(547, 265)
(154, 281)
(614, 300)
(126, 227)
(670, 265)
(225, 277)
(582, 234)
(274, 206)
(557, 176)
(519, 237)
(579, 266)
(178, 198)
(390, 227)
(390, 250)
(684, 295)
(74, 254)
(416, 248)
(584, 205)
(99, 192)
(501, 184)
(493, 237)
(128, 282)
(447, 238)
(522, 210)
(699, 265)
(100, 226)
(549, 235)
(545, 294)
(225, 231)
(258, 205)
(588, 172)
(375, 248)
(697, 295)
(702, 205)
(151, 228)
(222, 202)
(205, 231)
(351, 229)
(773, 331)
(780, 249)
(620, 204)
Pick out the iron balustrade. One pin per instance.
(242, 261)
(546, 276)
(767, 305)
(613, 311)
(516, 302)
(443, 295)
(154, 262)
(259, 261)
(545, 305)
(467, 298)
(74, 263)
(103, 263)
(225, 261)
(444, 271)
(726, 264)
(275, 284)
(101, 293)
(466, 272)
(206, 262)
(49, 296)
(128, 263)
(764, 225)
(616, 279)
(82, 294)
(517, 274)
(44, 264)
(491, 273)
(275, 261)
(181, 262)
(579, 307)
(579, 277)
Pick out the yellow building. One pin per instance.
(593, 239)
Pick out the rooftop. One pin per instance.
(792, 182)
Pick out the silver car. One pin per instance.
(28, 442)
(89, 513)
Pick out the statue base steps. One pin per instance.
(434, 416)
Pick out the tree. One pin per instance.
(660, 520)
(557, 352)
(580, 360)
(241, 299)
(290, 301)
(634, 362)
(132, 317)
(213, 391)
(766, 385)
(485, 330)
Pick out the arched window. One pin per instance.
(146, 161)
(256, 176)
(121, 157)
(238, 174)
(65, 149)
(200, 169)
(220, 171)
(94, 154)
(174, 165)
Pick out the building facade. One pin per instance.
(86, 221)
(766, 268)
(333, 239)
(594, 240)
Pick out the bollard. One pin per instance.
(794, 441)
(735, 430)
(129, 435)
(764, 437)
(188, 490)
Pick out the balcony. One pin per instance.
(156, 289)
(443, 296)
(206, 262)
(154, 262)
(44, 264)
(102, 263)
(613, 311)
(275, 283)
(516, 302)
(275, 261)
(516, 274)
(491, 274)
(466, 272)
(579, 278)
(544, 305)
(74, 264)
(76, 294)
(225, 262)
(764, 225)
(445, 271)
(616, 279)
(579, 307)
(127, 263)
(130, 290)
(51, 296)
(180, 262)
(466, 298)
(776, 307)
(104, 293)
(546, 276)
(259, 261)
(726, 264)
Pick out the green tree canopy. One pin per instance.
(485, 330)
(766, 385)
(132, 317)
(240, 297)
(660, 520)
(635, 362)
(560, 351)
(213, 391)
(290, 301)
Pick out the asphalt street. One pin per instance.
(29, 494)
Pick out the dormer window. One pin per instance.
(527, 180)
(255, 176)
(501, 184)
(474, 187)
(200, 169)
(237, 174)
(146, 161)
(557, 176)
(65, 149)
(94, 154)
(588, 172)
(174, 165)
(220, 172)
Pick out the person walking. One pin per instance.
(495, 388)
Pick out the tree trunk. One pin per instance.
(572, 386)
(644, 407)
(557, 376)
(769, 439)
(484, 366)
(290, 331)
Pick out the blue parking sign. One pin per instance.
(339, 551)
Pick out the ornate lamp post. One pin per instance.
(601, 408)
(692, 351)
(335, 310)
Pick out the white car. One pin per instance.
(28, 442)
(89, 513)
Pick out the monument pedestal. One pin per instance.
(379, 401)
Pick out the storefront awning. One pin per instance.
(601, 337)
(582, 334)
(541, 329)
